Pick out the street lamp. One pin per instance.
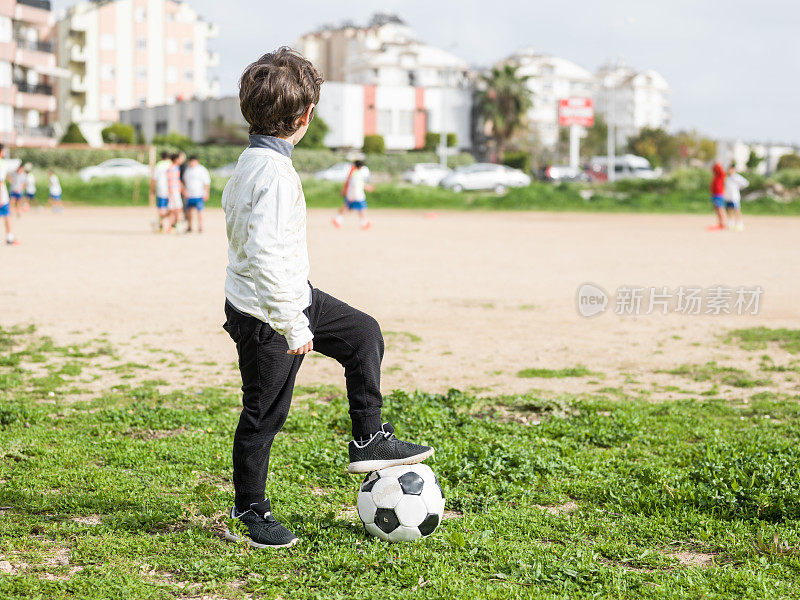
(611, 138)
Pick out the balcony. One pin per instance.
(78, 84)
(35, 46)
(212, 59)
(77, 54)
(43, 4)
(40, 88)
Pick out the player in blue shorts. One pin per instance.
(161, 189)
(55, 192)
(30, 187)
(355, 197)
(197, 183)
(18, 189)
(5, 202)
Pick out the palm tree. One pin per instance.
(503, 100)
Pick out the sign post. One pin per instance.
(575, 113)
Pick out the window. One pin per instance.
(406, 124)
(107, 72)
(161, 128)
(188, 75)
(141, 73)
(141, 43)
(172, 75)
(141, 101)
(140, 14)
(385, 122)
(6, 29)
(107, 41)
(172, 46)
(188, 46)
(108, 102)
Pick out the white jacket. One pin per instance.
(733, 186)
(265, 215)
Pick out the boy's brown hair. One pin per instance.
(276, 90)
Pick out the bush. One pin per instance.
(789, 161)
(175, 141)
(119, 133)
(73, 135)
(374, 144)
(518, 160)
(789, 178)
(432, 140)
(315, 136)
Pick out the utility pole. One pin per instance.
(611, 141)
(443, 129)
(574, 146)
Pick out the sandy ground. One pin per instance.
(466, 300)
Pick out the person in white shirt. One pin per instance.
(5, 201)
(30, 187)
(197, 183)
(354, 194)
(55, 191)
(734, 184)
(160, 188)
(272, 312)
(18, 190)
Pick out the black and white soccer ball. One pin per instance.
(401, 504)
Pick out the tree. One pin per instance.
(503, 101)
(174, 140)
(433, 139)
(73, 135)
(693, 146)
(656, 145)
(595, 143)
(789, 161)
(119, 133)
(753, 160)
(315, 136)
(374, 144)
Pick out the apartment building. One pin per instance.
(127, 53)
(550, 79)
(27, 73)
(631, 100)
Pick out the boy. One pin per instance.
(734, 183)
(17, 189)
(30, 187)
(55, 191)
(355, 197)
(5, 202)
(197, 183)
(718, 196)
(273, 314)
(174, 193)
(159, 185)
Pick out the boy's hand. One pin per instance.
(302, 349)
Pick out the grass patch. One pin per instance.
(122, 494)
(756, 338)
(711, 371)
(578, 371)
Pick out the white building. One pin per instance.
(127, 53)
(632, 100)
(738, 152)
(401, 114)
(550, 79)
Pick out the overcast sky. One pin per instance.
(734, 66)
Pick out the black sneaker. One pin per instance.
(265, 530)
(383, 450)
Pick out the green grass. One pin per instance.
(756, 338)
(537, 196)
(578, 371)
(711, 371)
(121, 495)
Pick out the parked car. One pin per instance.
(559, 173)
(627, 166)
(225, 170)
(426, 174)
(337, 172)
(485, 176)
(115, 167)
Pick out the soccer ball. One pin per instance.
(401, 504)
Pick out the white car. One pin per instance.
(225, 170)
(485, 176)
(338, 172)
(115, 167)
(426, 174)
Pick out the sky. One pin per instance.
(733, 67)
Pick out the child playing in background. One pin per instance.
(30, 187)
(197, 183)
(175, 193)
(718, 196)
(55, 192)
(18, 189)
(160, 187)
(273, 313)
(5, 202)
(355, 197)
(734, 184)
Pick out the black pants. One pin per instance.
(340, 331)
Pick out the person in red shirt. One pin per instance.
(718, 196)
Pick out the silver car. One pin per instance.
(115, 167)
(426, 174)
(485, 176)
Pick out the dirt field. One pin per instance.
(466, 300)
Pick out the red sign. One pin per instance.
(576, 111)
